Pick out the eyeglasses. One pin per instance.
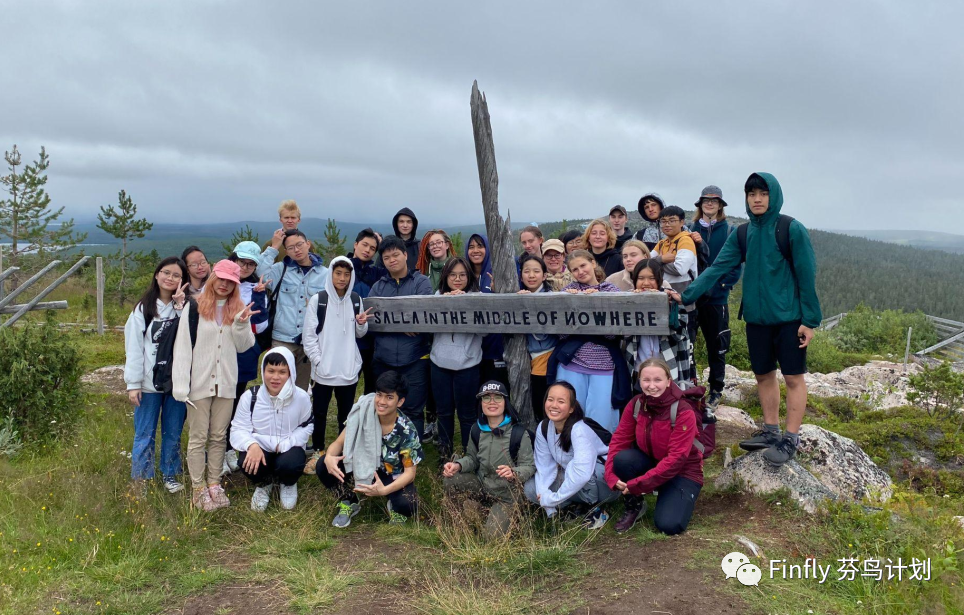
(436, 244)
(491, 397)
(459, 276)
(197, 266)
(167, 274)
(247, 264)
(666, 221)
(297, 247)
(551, 254)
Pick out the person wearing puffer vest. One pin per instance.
(271, 431)
(648, 453)
(455, 361)
(332, 351)
(488, 471)
(300, 275)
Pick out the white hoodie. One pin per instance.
(334, 356)
(140, 347)
(278, 423)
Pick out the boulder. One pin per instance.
(881, 384)
(735, 416)
(827, 466)
(110, 377)
(842, 466)
(753, 473)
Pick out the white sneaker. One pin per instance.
(260, 499)
(231, 460)
(289, 496)
(173, 485)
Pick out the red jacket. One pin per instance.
(671, 448)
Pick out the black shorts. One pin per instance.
(772, 344)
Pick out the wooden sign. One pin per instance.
(558, 313)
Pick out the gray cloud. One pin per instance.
(213, 111)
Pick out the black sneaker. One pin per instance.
(431, 430)
(761, 439)
(634, 510)
(781, 452)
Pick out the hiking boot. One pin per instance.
(172, 484)
(311, 465)
(780, 453)
(289, 496)
(395, 518)
(712, 403)
(201, 499)
(596, 519)
(634, 511)
(260, 499)
(346, 510)
(761, 439)
(431, 430)
(218, 496)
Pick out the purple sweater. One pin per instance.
(593, 356)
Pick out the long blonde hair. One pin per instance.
(207, 302)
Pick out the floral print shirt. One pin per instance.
(401, 448)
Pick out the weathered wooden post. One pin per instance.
(505, 277)
(907, 349)
(100, 295)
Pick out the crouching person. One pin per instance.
(498, 459)
(569, 456)
(375, 455)
(652, 451)
(271, 429)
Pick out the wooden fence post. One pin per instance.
(100, 295)
(505, 277)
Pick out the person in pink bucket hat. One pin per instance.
(212, 331)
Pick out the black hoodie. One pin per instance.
(411, 244)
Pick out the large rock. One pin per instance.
(842, 466)
(881, 384)
(827, 466)
(753, 473)
(110, 377)
(735, 416)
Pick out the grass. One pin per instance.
(74, 540)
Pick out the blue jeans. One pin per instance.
(594, 394)
(455, 391)
(171, 413)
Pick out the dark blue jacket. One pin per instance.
(248, 360)
(398, 349)
(715, 237)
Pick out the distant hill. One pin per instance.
(926, 240)
(851, 270)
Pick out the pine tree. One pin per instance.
(245, 234)
(26, 217)
(334, 241)
(458, 243)
(123, 224)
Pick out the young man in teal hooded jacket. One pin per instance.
(780, 307)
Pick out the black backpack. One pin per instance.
(604, 434)
(163, 379)
(323, 307)
(783, 238)
(672, 424)
(515, 438)
(263, 339)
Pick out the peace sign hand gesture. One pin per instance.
(260, 287)
(363, 317)
(247, 313)
(179, 296)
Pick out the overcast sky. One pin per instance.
(216, 111)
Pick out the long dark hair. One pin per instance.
(525, 258)
(148, 301)
(471, 285)
(578, 414)
(653, 265)
(508, 411)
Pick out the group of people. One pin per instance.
(615, 416)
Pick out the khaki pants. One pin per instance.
(501, 512)
(207, 422)
(302, 364)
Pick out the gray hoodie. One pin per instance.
(456, 350)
